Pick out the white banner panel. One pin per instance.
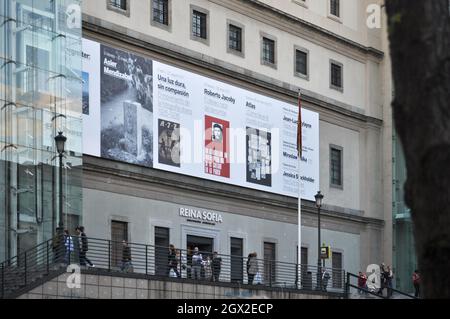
(152, 114)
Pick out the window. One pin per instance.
(335, 8)
(119, 233)
(199, 24)
(160, 11)
(119, 6)
(337, 269)
(268, 54)
(235, 38)
(336, 167)
(302, 3)
(336, 75)
(301, 63)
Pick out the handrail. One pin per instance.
(154, 261)
(372, 293)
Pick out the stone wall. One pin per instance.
(113, 287)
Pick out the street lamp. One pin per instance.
(60, 141)
(319, 198)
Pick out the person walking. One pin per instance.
(58, 247)
(83, 247)
(416, 283)
(197, 261)
(68, 244)
(252, 267)
(173, 262)
(216, 266)
(126, 257)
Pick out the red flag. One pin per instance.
(299, 126)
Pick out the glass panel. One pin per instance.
(40, 94)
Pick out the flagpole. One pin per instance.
(299, 155)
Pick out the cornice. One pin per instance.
(137, 174)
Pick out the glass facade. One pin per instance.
(404, 256)
(40, 95)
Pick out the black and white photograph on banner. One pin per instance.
(169, 143)
(259, 157)
(85, 93)
(126, 107)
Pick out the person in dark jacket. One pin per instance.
(216, 266)
(172, 261)
(416, 283)
(126, 257)
(382, 279)
(83, 247)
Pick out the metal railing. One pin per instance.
(149, 260)
(353, 290)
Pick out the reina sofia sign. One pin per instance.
(201, 215)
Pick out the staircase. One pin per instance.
(354, 292)
(29, 269)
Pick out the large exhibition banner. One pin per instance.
(156, 115)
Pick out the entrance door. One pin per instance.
(237, 260)
(337, 269)
(162, 238)
(205, 246)
(119, 232)
(269, 263)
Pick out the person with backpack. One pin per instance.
(416, 283)
(83, 247)
(197, 261)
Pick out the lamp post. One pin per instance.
(60, 141)
(319, 198)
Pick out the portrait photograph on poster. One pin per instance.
(259, 160)
(126, 107)
(217, 160)
(85, 92)
(168, 143)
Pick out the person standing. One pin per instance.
(83, 247)
(416, 283)
(197, 261)
(325, 277)
(216, 266)
(362, 283)
(68, 244)
(252, 267)
(382, 279)
(389, 277)
(126, 257)
(207, 266)
(173, 261)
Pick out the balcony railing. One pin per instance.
(154, 261)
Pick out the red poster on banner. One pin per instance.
(217, 161)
